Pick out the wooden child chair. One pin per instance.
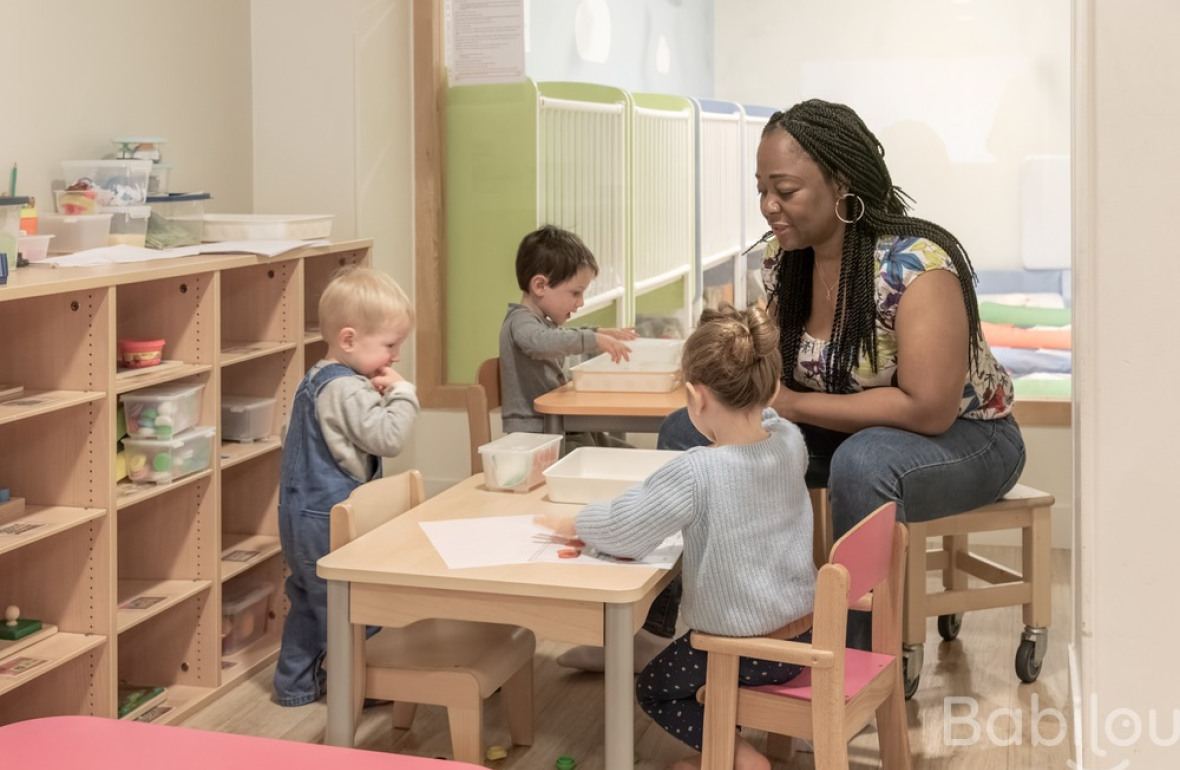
(840, 689)
(451, 663)
(482, 398)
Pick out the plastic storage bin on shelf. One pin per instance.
(34, 248)
(129, 225)
(177, 220)
(270, 227)
(244, 615)
(160, 461)
(116, 182)
(158, 181)
(75, 232)
(76, 201)
(10, 209)
(163, 411)
(246, 418)
(588, 474)
(517, 462)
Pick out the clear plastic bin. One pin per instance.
(246, 418)
(177, 220)
(75, 201)
(160, 461)
(517, 462)
(10, 209)
(129, 225)
(245, 614)
(271, 227)
(588, 474)
(75, 232)
(34, 248)
(162, 411)
(158, 181)
(117, 182)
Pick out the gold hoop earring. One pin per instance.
(860, 214)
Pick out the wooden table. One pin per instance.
(569, 410)
(393, 576)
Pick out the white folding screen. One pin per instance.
(582, 183)
(663, 196)
(720, 183)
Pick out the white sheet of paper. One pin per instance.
(112, 255)
(494, 540)
(263, 248)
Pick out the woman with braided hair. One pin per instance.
(885, 370)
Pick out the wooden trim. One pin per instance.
(1043, 413)
(430, 82)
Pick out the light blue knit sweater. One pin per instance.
(746, 517)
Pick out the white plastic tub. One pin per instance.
(244, 615)
(654, 367)
(517, 462)
(246, 418)
(162, 411)
(75, 232)
(34, 248)
(589, 473)
(163, 460)
(266, 227)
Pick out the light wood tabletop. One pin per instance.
(569, 411)
(393, 576)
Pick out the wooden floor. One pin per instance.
(569, 706)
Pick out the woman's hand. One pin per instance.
(562, 524)
(786, 403)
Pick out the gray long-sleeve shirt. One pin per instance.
(532, 349)
(357, 421)
(746, 517)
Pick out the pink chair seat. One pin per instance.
(68, 743)
(860, 668)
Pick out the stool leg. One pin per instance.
(466, 723)
(954, 579)
(517, 694)
(1037, 558)
(914, 608)
(822, 534)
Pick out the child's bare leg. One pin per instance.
(745, 757)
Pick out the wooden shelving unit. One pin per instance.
(132, 575)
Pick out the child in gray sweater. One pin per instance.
(553, 269)
(743, 508)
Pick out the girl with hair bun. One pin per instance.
(745, 513)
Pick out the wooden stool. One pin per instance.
(1023, 508)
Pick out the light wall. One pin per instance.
(1127, 162)
(82, 73)
(958, 92)
(662, 46)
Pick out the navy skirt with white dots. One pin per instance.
(667, 688)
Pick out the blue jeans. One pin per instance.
(973, 463)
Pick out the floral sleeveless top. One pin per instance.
(987, 393)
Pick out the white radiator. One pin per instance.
(663, 197)
(582, 182)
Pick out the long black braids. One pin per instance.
(846, 150)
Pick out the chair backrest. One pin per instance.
(866, 551)
(371, 505)
(482, 398)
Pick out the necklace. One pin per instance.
(828, 288)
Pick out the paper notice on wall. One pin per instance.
(485, 41)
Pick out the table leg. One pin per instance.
(553, 424)
(341, 729)
(620, 684)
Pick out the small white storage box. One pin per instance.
(246, 418)
(517, 462)
(266, 227)
(162, 411)
(654, 368)
(589, 473)
(244, 615)
(75, 232)
(162, 460)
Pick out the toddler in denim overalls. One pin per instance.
(350, 410)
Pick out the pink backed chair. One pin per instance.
(840, 690)
(68, 743)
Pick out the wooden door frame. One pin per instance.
(429, 85)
